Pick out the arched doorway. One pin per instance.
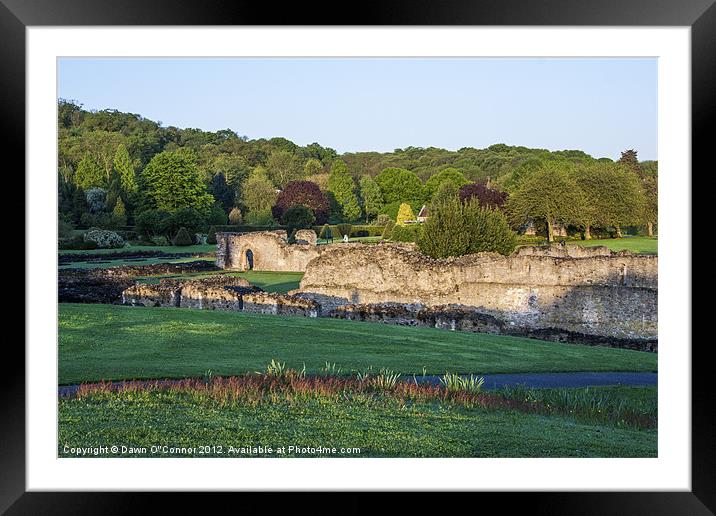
(249, 259)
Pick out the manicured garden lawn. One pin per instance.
(280, 282)
(208, 248)
(646, 245)
(117, 263)
(118, 342)
(377, 427)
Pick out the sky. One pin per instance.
(598, 105)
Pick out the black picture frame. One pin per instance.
(700, 15)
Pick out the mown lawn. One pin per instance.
(646, 245)
(113, 342)
(377, 428)
(280, 282)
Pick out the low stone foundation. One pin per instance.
(280, 304)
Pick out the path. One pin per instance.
(531, 380)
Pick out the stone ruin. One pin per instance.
(562, 292)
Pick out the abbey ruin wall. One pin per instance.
(586, 291)
(266, 251)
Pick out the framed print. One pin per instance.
(305, 256)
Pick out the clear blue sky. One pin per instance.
(601, 106)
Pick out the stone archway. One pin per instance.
(249, 259)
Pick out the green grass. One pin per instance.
(646, 245)
(119, 342)
(121, 262)
(208, 248)
(280, 282)
(379, 428)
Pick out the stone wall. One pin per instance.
(265, 251)
(582, 291)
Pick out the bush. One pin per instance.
(259, 218)
(64, 229)
(216, 217)
(344, 229)
(456, 229)
(151, 223)
(97, 220)
(298, 217)
(183, 238)
(211, 236)
(381, 220)
(104, 239)
(76, 243)
(405, 213)
(187, 218)
(409, 233)
(388, 230)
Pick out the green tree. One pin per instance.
(404, 213)
(119, 214)
(258, 194)
(372, 197)
(451, 175)
(312, 167)
(89, 174)
(282, 168)
(399, 185)
(235, 217)
(549, 194)
(124, 168)
(298, 217)
(613, 196)
(650, 186)
(341, 184)
(171, 182)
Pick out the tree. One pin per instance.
(650, 187)
(451, 175)
(89, 174)
(549, 194)
(79, 204)
(216, 216)
(341, 184)
(372, 197)
(399, 185)
(221, 191)
(258, 194)
(613, 196)
(119, 214)
(96, 199)
(455, 228)
(487, 197)
(235, 217)
(172, 182)
(312, 167)
(298, 217)
(404, 213)
(282, 168)
(124, 168)
(303, 193)
(630, 159)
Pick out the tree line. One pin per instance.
(117, 169)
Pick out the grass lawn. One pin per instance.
(280, 282)
(646, 245)
(208, 248)
(118, 342)
(368, 426)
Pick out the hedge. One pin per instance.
(356, 231)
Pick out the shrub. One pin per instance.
(235, 217)
(456, 229)
(217, 216)
(104, 239)
(405, 213)
(76, 243)
(183, 238)
(259, 218)
(381, 220)
(298, 217)
(98, 220)
(64, 228)
(188, 218)
(211, 236)
(388, 230)
(325, 232)
(96, 199)
(344, 229)
(409, 233)
(151, 223)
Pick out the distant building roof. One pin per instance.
(423, 212)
